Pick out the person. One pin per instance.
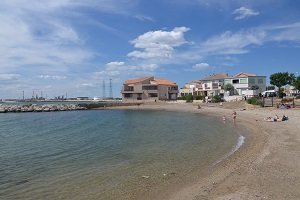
(234, 116)
(284, 118)
(269, 119)
(224, 118)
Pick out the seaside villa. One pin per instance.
(208, 86)
(243, 82)
(214, 85)
(149, 89)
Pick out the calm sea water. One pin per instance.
(104, 154)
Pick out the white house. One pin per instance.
(243, 83)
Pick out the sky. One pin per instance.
(72, 46)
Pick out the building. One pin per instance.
(149, 89)
(208, 86)
(244, 82)
(214, 85)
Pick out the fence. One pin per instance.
(276, 102)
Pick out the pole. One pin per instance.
(110, 89)
(103, 89)
(272, 101)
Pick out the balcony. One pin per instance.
(131, 91)
(151, 91)
(173, 91)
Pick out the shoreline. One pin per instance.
(247, 172)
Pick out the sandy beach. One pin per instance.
(267, 166)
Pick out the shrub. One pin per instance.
(298, 97)
(199, 97)
(189, 98)
(254, 101)
(281, 95)
(216, 99)
(181, 98)
(286, 100)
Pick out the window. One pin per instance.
(251, 80)
(152, 94)
(243, 80)
(260, 81)
(150, 87)
(127, 95)
(235, 81)
(227, 81)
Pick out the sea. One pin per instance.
(107, 154)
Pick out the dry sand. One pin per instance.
(266, 167)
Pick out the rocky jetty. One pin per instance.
(40, 108)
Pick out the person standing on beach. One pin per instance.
(224, 119)
(234, 116)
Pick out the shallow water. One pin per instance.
(104, 154)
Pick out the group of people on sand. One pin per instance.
(276, 119)
(283, 106)
(233, 117)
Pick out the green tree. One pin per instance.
(229, 87)
(296, 83)
(281, 79)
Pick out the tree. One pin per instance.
(229, 87)
(296, 83)
(281, 79)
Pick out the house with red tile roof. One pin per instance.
(149, 89)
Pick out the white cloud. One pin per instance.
(52, 77)
(201, 66)
(232, 43)
(85, 85)
(120, 70)
(243, 12)
(158, 44)
(9, 77)
(150, 67)
(144, 18)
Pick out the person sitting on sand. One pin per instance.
(270, 119)
(276, 119)
(284, 118)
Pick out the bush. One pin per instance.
(216, 99)
(199, 97)
(281, 95)
(298, 97)
(189, 98)
(286, 100)
(254, 101)
(181, 98)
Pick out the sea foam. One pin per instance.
(240, 142)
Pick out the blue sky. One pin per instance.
(71, 46)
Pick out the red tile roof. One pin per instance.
(137, 80)
(163, 82)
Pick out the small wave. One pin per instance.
(240, 142)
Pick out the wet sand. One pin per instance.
(267, 166)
